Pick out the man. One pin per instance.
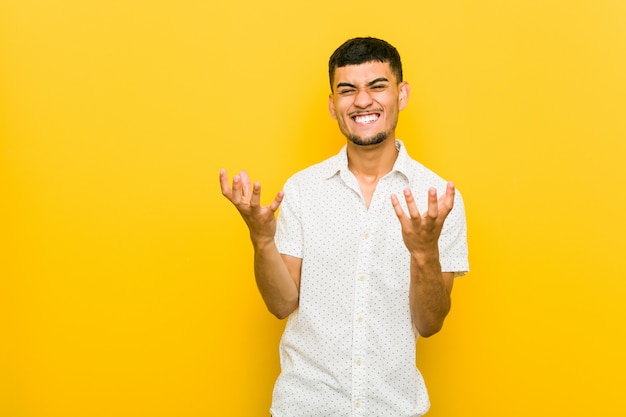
(359, 271)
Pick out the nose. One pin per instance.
(362, 98)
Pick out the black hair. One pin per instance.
(362, 50)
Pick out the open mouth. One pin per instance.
(365, 119)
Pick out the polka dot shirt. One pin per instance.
(349, 348)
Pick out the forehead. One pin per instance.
(363, 73)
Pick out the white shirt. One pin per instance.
(349, 348)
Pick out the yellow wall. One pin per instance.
(125, 277)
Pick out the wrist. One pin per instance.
(425, 257)
(261, 242)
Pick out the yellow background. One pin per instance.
(125, 277)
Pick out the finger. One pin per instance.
(447, 200)
(433, 207)
(255, 199)
(411, 205)
(397, 208)
(226, 191)
(235, 195)
(246, 184)
(277, 200)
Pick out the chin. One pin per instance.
(368, 141)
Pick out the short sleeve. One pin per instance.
(289, 240)
(453, 253)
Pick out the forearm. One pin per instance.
(276, 285)
(429, 295)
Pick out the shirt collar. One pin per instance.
(340, 162)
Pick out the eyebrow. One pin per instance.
(369, 84)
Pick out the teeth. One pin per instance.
(366, 118)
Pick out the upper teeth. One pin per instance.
(368, 118)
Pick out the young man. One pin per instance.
(360, 259)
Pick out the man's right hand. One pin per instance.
(246, 197)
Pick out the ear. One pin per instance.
(331, 107)
(403, 96)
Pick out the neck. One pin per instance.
(370, 163)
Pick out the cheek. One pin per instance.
(394, 105)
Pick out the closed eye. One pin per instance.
(378, 84)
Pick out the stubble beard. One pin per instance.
(368, 141)
(376, 139)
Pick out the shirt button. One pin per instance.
(357, 404)
(366, 235)
(361, 277)
(358, 362)
(359, 319)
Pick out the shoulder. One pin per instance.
(316, 173)
(421, 177)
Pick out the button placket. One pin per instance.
(362, 289)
